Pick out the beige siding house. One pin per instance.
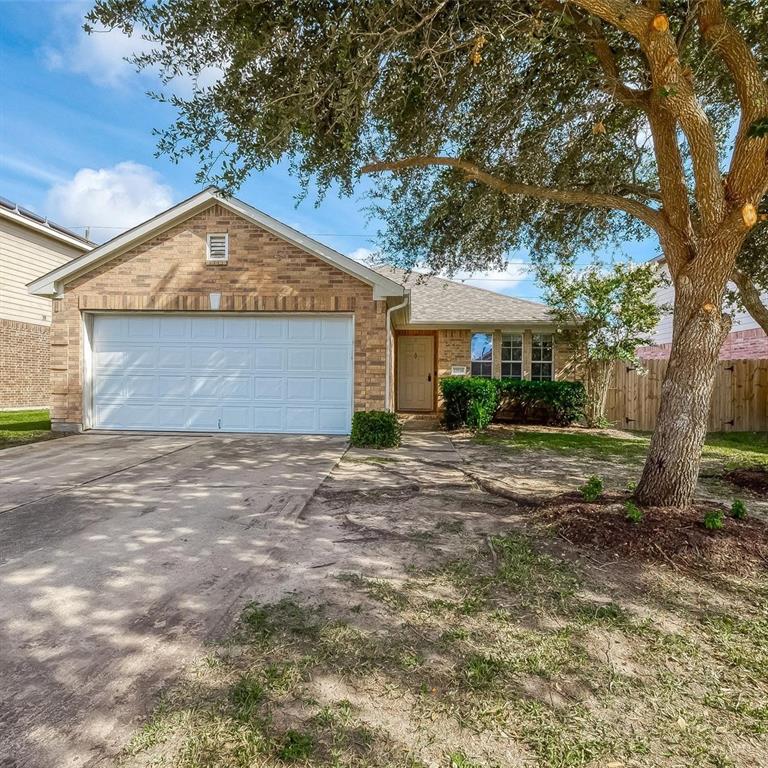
(747, 340)
(213, 316)
(30, 246)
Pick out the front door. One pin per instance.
(415, 369)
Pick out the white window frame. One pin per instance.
(507, 346)
(473, 362)
(541, 361)
(208, 259)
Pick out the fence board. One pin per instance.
(739, 398)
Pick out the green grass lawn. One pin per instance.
(20, 427)
(733, 448)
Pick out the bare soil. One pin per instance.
(752, 478)
(677, 537)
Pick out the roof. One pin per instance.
(26, 218)
(437, 301)
(50, 284)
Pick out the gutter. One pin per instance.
(390, 337)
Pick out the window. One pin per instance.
(481, 354)
(512, 356)
(542, 357)
(218, 248)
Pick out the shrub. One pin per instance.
(473, 401)
(592, 489)
(633, 513)
(559, 403)
(738, 509)
(713, 520)
(375, 429)
(469, 401)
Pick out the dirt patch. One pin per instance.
(752, 478)
(677, 537)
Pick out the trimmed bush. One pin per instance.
(375, 429)
(469, 401)
(474, 402)
(557, 403)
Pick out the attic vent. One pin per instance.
(218, 249)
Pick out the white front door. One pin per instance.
(229, 373)
(415, 369)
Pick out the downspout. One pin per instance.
(390, 338)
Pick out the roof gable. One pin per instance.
(51, 283)
(437, 301)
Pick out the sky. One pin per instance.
(77, 144)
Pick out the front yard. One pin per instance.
(21, 427)
(449, 626)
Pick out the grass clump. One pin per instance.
(592, 490)
(713, 520)
(633, 513)
(738, 509)
(294, 746)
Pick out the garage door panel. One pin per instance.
(300, 388)
(206, 328)
(299, 419)
(268, 359)
(335, 359)
(239, 374)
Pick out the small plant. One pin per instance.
(375, 429)
(633, 513)
(713, 520)
(295, 746)
(738, 509)
(246, 695)
(631, 486)
(592, 489)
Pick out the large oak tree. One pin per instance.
(495, 124)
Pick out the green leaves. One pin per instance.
(758, 129)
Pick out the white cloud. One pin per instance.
(109, 199)
(363, 255)
(501, 281)
(102, 55)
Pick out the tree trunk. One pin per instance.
(699, 328)
(598, 379)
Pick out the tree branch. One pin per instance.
(751, 298)
(749, 155)
(566, 196)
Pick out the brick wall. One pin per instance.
(169, 273)
(751, 344)
(25, 380)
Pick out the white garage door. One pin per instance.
(288, 373)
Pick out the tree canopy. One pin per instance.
(542, 96)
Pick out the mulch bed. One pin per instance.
(673, 536)
(751, 478)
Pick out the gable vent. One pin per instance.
(218, 248)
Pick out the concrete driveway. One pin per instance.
(120, 555)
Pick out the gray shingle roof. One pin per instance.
(437, 300)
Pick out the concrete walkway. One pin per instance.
(120, 555)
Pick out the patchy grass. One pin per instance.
(21, 427)
(507, 656)
(732, 448)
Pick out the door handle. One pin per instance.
(429, 377)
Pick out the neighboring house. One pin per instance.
(746, 339)
(29, 247)
(215, 316)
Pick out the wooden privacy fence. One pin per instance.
(739, 399)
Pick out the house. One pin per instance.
(214, 316)
(29, 246)
(747, 340)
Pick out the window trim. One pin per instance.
(550, 362)
(490, 362)
(510, 362)
(208, 259)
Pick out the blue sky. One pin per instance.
(76, 142)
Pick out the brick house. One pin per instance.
(213, 316)
(747, 340)
(29, 246)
